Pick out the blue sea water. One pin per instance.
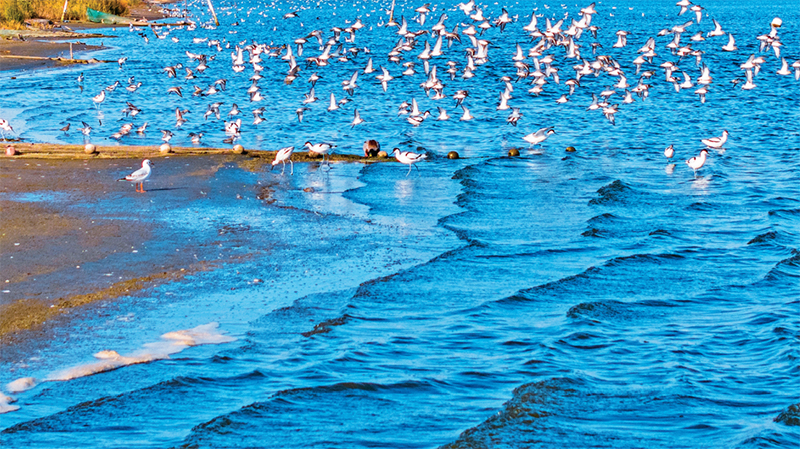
(596, 298)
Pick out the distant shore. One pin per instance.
(31, 49)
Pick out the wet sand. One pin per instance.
(59, 259)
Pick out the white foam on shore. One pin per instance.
(170, 343)
(5, 404)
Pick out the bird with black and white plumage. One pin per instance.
(283, 155)
(5, 126)
(697, 162)
(716, 142)
(409, 158)
(322, 148)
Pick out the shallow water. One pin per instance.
(597, 298)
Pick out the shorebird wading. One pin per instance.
(283, 155)
(321, 148)
(408, 158)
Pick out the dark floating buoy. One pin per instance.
(570, 149)
(514, 152)
(452, 155)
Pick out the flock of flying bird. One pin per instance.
(553, 42)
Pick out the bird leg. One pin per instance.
(292, 164)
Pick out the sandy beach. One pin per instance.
(46, 242)
(44, 245)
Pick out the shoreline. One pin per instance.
(29, 150)
(57, 257)
(31, 49)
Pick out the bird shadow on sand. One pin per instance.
(165, 189)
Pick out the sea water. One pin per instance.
(606, 297)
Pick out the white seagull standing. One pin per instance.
(408, 158)
(140, 176)
(283, 155)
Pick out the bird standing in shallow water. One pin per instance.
(408, 158)
(140, 176)
(321, 148)
(5, 126)
(716, 142)
(99, 98)
(698, 161)
(283, 155)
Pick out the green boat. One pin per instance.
(103, 17)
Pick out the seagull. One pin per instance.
(196, 137)
(86, 129)
(320, 148)
(696, 162)
(467, 115)
(716, 142)
(333, 106)
(514, 117)
(731, 46)
(300, 112)
(357, 120)
(669, 152)
(139, 176)
(283, 155)
(539, 136)
(408, 158)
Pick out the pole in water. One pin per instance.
(211, 7)
(64, 12)
(70, 51)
